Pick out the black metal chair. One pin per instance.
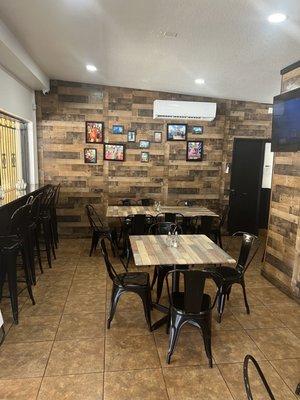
(54, 214)
(187, 203)
(97, 227)
(134, 282)
(160, 271)
(215, 230)
(175, 218)
(225, 276)
(127, 202)
(146, 202)
(247, 359)
(191, 306)
(35, 204)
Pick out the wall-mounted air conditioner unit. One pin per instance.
(169, 109)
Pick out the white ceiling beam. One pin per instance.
(15, 59)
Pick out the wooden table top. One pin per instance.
(124, 211)
(192, 249)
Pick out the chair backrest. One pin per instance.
(206, 224)
(47, 198)
(163, 228)
(262, 377)
(35, 204)
(139, 223)
(224, 216)
(127, 202)
(244, 260)
(146, 202)
(169, 217)
(57, 191)
(109, 267)
(21, 220)
(194, 283)
(93, 217)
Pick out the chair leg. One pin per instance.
(176, 323)
(93, 244)
(206, 331)
(115, 295)
(38, 250)
(11, 260)
(154, 278)
(221, 303)
(228, 292)
(47, 242)
(220, 239)
(245, 297)
(146, 299)
(161, 274)
(27, 276)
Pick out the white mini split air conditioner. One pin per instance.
(169, 109)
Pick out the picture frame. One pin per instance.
(131, 136)
(144, 144)
(194, 150)
(90, 155)
(94, 132)
(198, 130)
(145, 156)
(157, 137)
(177, 132)
(114, 152)
(118, 129)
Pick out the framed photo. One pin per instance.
(94, 132)
(194, 150)
(144, 156)
(131, 136)
(144, 144)
(197, 130)
(157, 137)
(118, 129)
(90, 156)
(114, 152)
(176, 132)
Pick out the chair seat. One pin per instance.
(228, 273)
(178, 302)
(133, 279)
(9, 243)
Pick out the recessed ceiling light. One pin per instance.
(199, 81)
(91, 68)
(168, 34)
(276, 18)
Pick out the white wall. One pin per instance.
(18, 101)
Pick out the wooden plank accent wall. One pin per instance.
(61, 117)
(282, 259)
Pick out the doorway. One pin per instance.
(250, 186)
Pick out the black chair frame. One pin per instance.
(247, 359)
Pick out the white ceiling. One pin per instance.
(229, 43)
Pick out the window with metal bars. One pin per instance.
(11, 163)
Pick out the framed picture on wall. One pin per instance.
(118, 129)
(157, 137)
(131, 136)
(194, 150)
(176, 132)
(94, 132)
(197, 130)
(90, 156)
(145, 156)
(144, 144)
(114, 152)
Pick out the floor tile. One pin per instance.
(289, 370)
(85, 303)
(195, 383)
(43, 307)
(233, 375)
(272, 295)
(72, 387)
(237, 299)
(260, 317)
(232, 346)
(130, 323)
(135, 385)
(276, 343)
(76, 357)
(81, 325)
(229, 322)
(19, 389)
(189, 349)
(130, 352)
(24, 360)
(32, 329)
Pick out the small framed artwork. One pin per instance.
(90, 156)
(144, 144)
(157, 137)
(144, 156)
(94, 132)
(197, 130)
(114, 152)
(118, 129)
(131, 136)
(194, 150)
(176, 132)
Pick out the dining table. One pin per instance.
(124, 211)
(191, 250)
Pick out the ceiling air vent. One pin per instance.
(170, 109)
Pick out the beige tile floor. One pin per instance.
(62, 350)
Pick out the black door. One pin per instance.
(245, 186)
